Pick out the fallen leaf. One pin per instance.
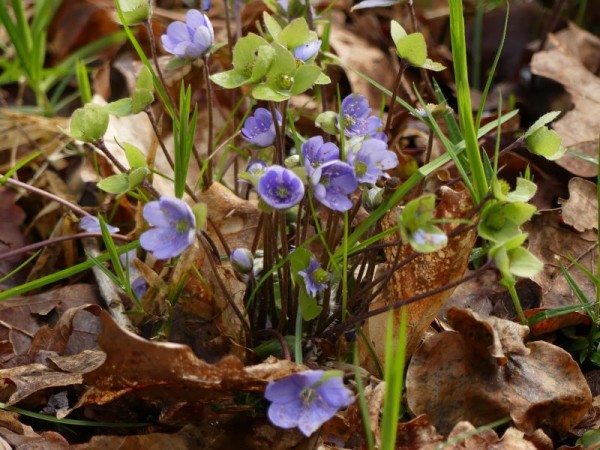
(484, 372)
(554, 244)
(580, 210)
(11, 219)
(563, 64)
(15, 435)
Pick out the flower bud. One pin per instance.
(242, 260)
(88, 124)
(135, 11)
(327, 121)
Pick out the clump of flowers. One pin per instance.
(307, 400)
(175, 227)
(315, 277)
(190, 39)
(280, 188)
(315, 153)
(259, 129)
(332, 183)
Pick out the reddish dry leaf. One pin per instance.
(554, 245)
(581, 209)
(418, 433)
(424, 273)
(11, 219)
(565, 64)
(469, 375)
(556, 323)
(15, 435)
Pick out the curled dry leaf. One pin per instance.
(567, 66)
(424, 273)
(454, 376)
(417, 433)
(580, 210)
(15, 435)
(167, 371)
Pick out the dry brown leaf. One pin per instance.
(167, 371)
(453, 376)
(567, 66)
(15, 435)
(580, 210)
(554, 244)
(424, 273)
(417, 433)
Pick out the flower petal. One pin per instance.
(285, 415)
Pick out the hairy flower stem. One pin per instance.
(208, 179)
(397, 86)
(228, 27)
(424, 73)
(48, 195)
(421, 184)
(284, 284)
(55, 240)
(150, 30)
(279, 133)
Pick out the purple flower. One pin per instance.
(259, 129)
(371, 160)
(332, 183)
(175, 227)
(315, 153)
(306, 400)
(91, 224)
(242, 260)
(315, 278)
(280, 188)
(355, 117)
(191, 39)
(306, 51)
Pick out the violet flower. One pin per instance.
(175, 227)
(356, 117)
(315, 278)
(242, 260)
(280, 188)
(316, 153)
(259, 129)
(138, 284)
(91, 224)
(190, 39)
(306, 400)
(371, 160)
(332, 183)
(306, 51)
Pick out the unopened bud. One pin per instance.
(242, 260)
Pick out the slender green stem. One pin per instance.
(298, 336)
(510, 285)
(362, 401)
(459, 54)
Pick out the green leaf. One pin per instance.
(141, 99)
(115, 184)
(397, 31)
(432, 65)
(544, 142)
(272, 25)
(413, 49)
(500, 221)
(524, 191)
(176, 62)
(145, 80)
(245, 50)
(135, 157)
(523, 263)
(295, 33)
(200, 211)
(264, 59)
(120, 108)
(322, 79)
(544, 120)
(327, 121)
(305, 77)
(264, 92)
(309, 306)
(229, 79)
(137, 177)
(418, 212)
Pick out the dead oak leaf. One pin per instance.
(580, 210)
(453, 377)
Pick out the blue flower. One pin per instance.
(175, 227)
(191, 39)
(280, 188)
(315, 153)
(307, 400)
(332, 183)
(371, 160)
(306, 51)
(91, 224)
(259, 129)
(356, 117)
(315, 278)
